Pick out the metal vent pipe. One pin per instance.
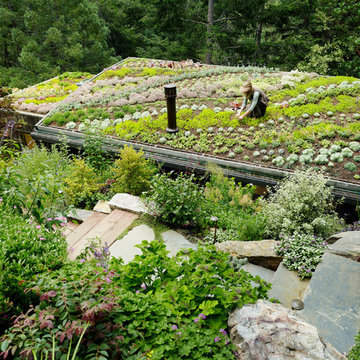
(170, 95)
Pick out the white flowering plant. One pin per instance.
(302, 203)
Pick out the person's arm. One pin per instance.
(252, 106)
(242, 106)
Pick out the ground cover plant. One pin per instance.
(311, 121)
(44, 97)
(154, 307)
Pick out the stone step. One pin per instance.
(125, 247)
(108, 229)
(127, 202)
(175, 242)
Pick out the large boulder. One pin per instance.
(287, 286)
(332, 299)
(257, 252)
(267, 331)
(348, 245)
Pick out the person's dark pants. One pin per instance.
(258, 111)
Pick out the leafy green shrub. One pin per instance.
(354, 353)
(27, 249)
(95, 154)
(34, 183)
(301, 252)
(176, 201)
(302, 203)
(132, 172)
(233, 205)
(155, 307)
(82, 186)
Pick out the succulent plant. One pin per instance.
(278, 161)
(346, 152)
(334, 148)
(350, 166)
(354, 146)
(292, 159)
(321, 159)
(70, 125)
(82, 127)
(231, 155)
(337, 157)
(305, 159)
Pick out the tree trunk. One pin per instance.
(209, 28)
(258, 34)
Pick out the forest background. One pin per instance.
(40, 39)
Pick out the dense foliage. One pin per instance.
(27, 250)
(154, 307)
(39, 40)
(301, 252)
(301, 204)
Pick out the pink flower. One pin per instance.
(38, 226)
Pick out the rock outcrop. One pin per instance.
(267, 331)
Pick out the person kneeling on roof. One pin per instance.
(259, 101)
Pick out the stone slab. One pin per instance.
(287, 286)
(80, 214)
(103, 207)
(332, 300)
(347, 246)
(125, 247)
(257, 252)
(256, 270)
(128, 202)
(175, 242)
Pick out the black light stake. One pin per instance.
(170, 95)
(214, 219)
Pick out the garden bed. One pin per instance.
(311, 120)
(44, 97)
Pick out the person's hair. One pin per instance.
(246, 87)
